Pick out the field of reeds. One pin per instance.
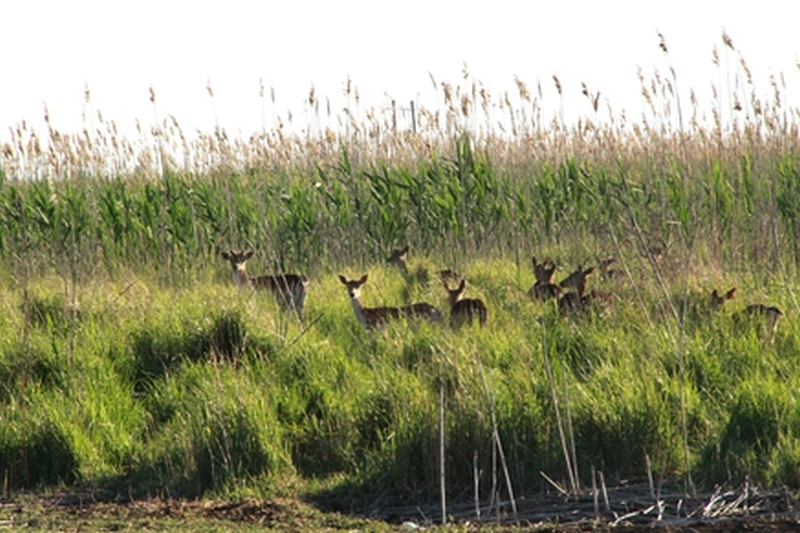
(130, 361)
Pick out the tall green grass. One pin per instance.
(202, 389)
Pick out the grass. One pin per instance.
(167, 393)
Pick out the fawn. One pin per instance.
(376, 317)
(544, 288)
(289, 289)
(464, 309)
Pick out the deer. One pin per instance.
(577, 280)
(376, 317)
(573, 302)
(544, 288)
(464, 310)
(420, 276)
(718, 300)
(399, 258)
(700, 309)
(770, 315)
(289, 289)
(606, 272)
(577, 299)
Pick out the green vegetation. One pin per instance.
(128, 359)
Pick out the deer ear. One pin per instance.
(363, 278)
(406, 248)
(226, 255)
(343, 279)
(462, 285)
(248, 254)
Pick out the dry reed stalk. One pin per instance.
(497, 443)
(554, 396)
(442, 480)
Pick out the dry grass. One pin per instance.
(513, 129)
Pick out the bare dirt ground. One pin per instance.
(629, 509)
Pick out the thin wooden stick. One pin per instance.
(571, 436)
(442, 481)
(494, 499)
(558, 487)
(476, 482)
(496, 438)
(605, 490)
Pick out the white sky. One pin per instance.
(51, 49)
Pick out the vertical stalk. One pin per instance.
(442, 481)
(496, 442)
(554, 395)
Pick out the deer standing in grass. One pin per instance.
(544, 288)
(420, 276)
(578, 299)
(577, 280)
(770, 315)
(464, 310)
(700, 311)
(377, 317)
(289, 289)
(718, 300)
(606, 272)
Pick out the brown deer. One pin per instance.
(577, 280)
(420, 276)
(377, 317)
(606, 272)
(718, 300)
(544, 288)
(464, 310)
(700, 309)
(399, 258)
(577, 299)
(573, 303)
(544, 271)
(289, 289)
(770, 315)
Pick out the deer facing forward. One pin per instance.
(377, 317)
(289, 289)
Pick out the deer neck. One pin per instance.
(358, 309)
(453, 299)
(240, 276)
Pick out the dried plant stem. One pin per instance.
(571, 435)
(573, 482)
(476, 486)
(442, 480)
(496, 441)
